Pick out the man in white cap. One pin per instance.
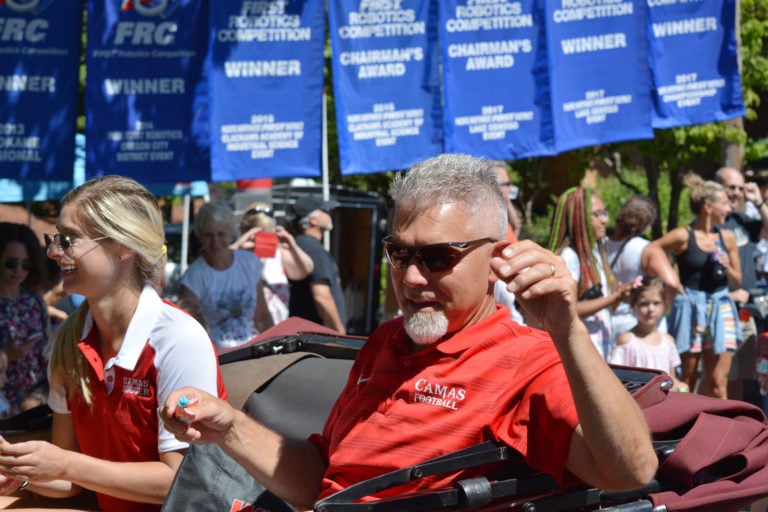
(319, 296)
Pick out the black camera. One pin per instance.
(593, 292)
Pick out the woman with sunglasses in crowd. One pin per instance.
(24, 328)
(282, 257)
(578, 232)
(114, 360)
(703, 318)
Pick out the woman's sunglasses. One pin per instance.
(13, 263)
(434, 257)
(64, 242)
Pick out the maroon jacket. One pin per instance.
(721, 462)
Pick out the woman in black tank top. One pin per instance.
(703, 318)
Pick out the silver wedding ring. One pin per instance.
(552, 269)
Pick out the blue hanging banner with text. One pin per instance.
(694, 61)
(386, 83)
(40, 43)
(598, 61)
(496, 106)
(146, 100)
(266, 88)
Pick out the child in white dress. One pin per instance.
(645, 346)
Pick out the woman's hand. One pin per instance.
(246, 240)
(36, 461)
(286, 239)
(621, 292)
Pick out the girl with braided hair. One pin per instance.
(578, 230)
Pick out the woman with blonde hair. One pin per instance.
(282, 257)
(114, 360)
(578, 230)
(703, 318)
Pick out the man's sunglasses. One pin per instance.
(64, 242)
(434, 257)
(13, 263)
(266, 211)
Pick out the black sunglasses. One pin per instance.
(266, 211)
(13, 263)
(434, 257)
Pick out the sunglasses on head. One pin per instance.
(266, 211)
(434, 257)
(13, 263)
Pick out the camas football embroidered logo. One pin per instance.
(132, 386)
(440, 395)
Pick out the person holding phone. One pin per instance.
(24, 323)
(282, 257)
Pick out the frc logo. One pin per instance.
(26, 6)
(149, 33)
(160, 8)
(24, 28)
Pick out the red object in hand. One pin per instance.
(265, 244)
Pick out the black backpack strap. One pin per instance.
(621, 250)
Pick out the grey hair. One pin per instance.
(450, 178)
(304, 222)
(214, 211)
(493, 164)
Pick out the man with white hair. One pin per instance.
(455, 370)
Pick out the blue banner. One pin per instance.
(694, 61)
(386, 83)
(40, 43)
(598, 60)
(146, 102)
(266, 88)
(495, 105)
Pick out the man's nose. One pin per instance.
(414, 274)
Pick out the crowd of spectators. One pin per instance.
(676, 304)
